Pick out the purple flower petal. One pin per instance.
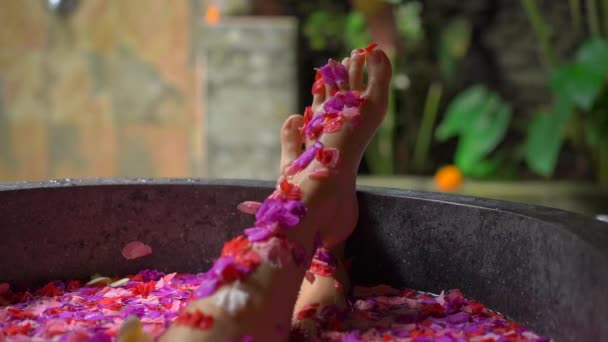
(258, 234)
(207, 288)
(285, 213)
(458, 318)
(326, 257)
(334, 73)
(307, 156)
(338, 102)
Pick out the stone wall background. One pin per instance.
(116, 89)
(251, 87)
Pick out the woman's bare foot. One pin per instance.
(340, 217)
(328, 292)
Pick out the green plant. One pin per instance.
(479, 118)
(580, 99)
(578, 111)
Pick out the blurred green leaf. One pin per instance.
(543, 145)
(481, 169)
(593, 134)
(453, 45)
(409, 23)
(596, 127)
(578, 83)
(482, 133)
(545, 136)
(356, 35)
(463, 108)
(593, 54)
(322, 27)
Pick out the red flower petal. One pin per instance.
(321, 269)
(333, 125)
(370, 47)
(235, 246)
(50, 290)
(230, 273)
(307, 311)
(196, 320)
(329, 157)
(318, 87)
(135, 249)
(288, 190)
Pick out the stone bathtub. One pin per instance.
(545, 268)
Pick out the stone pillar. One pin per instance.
(249, 71)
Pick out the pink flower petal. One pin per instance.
(249, 207)
(319, 173)
(353, 114)
(135, 249)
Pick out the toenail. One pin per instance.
(357, 52)
(375, 56)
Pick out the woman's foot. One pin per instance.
(339, 215)
(324, 294)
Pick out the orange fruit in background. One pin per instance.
(448, 178)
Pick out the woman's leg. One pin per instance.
(328, 291)
(260, 305)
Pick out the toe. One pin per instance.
(318, 97)
(379, 74)
(355, 71)
(291, 140)
(346, 62)
(379, 77)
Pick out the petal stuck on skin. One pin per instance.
(285, 213)
(306, 157)
(334, 74)
(308, 311)
(319, 173)
(195, 319)
(353, 114)
(328, 157)
(135, 249)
